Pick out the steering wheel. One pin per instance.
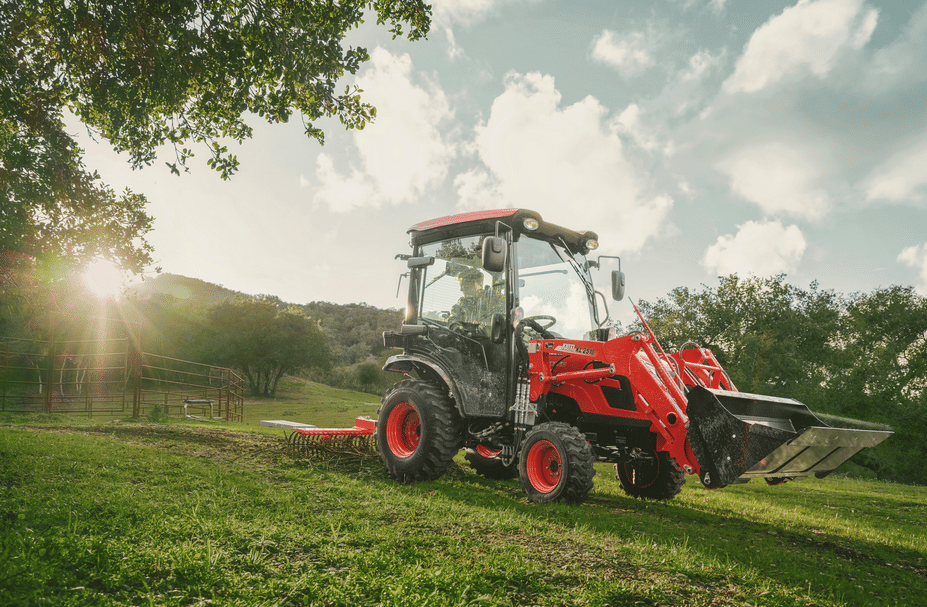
(552, 320)
(469, 329)
(532, 321)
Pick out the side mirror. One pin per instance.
(494, 254)
(617, 285)
(420, 262)
(498, 328)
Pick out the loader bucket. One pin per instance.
(738, 436)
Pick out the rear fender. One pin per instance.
(426, 369)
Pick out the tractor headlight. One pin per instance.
(592, 244)
(531, 224)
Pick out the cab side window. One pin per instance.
(456, 289)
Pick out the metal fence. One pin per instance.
(181, 387)
(111, 377)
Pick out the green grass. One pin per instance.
(154, 514)
(189, 513)
(308, 402)
(297, 400)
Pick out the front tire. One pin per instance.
(556, 464)
(418, 431)
(654, 476)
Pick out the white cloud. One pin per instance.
(630, 54)
(762, 249)
(900, 176)
(807, 36)
(902, 61)
(717, 6)
(465, 12)
(699, 65)
(448, 14)
(453, 51)
(403, 152)
(342, 193)
(477, 189)
(781, 179)
(629, 121)
(916, 257)
(560, 161)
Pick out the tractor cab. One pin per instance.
(481, 286)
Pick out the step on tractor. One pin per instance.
(509, 354)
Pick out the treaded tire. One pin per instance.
(556, 464)
(659, 479)
(490, 467)
(418, 431)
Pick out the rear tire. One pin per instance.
(556, 464)
(657, 478)
(418, 431)
(486, 463)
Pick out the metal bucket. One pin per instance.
(737, 436)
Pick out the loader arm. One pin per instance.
(622, 381)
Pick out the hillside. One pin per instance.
(172, 307)
(183, 289)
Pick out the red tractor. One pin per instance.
(509, 354)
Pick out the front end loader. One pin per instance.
(508, 353)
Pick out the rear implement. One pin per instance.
(306, 441)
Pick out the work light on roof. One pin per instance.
(531, 224)
(592, 244)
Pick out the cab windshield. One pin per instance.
(554, 284)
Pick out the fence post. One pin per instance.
(125, 368)
(223, 384)
(136, 381)
(50, 372)
(6, 378)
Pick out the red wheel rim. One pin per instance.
(487, 452)
(544, 466)
(403, 430)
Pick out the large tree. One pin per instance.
(265, 340)
(141, 74)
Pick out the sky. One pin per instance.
(698, 138)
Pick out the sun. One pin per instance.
(103, 279)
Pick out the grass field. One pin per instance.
(308, 402)
(178, 513)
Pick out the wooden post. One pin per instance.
(50, 369)
(6, 379)
(136, 380)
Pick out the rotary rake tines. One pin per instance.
(360, 440)
(307, 445)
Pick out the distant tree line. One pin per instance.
(862, 355)
(262, 337)
(266, 338)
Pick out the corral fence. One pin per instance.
(112, 377)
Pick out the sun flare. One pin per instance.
(103, 279)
